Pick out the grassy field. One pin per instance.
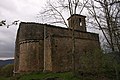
(42, 76)
(59, 76)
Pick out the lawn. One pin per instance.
(59, 76)
(42, 76)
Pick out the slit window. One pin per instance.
(80, 22)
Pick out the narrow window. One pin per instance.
(80, 22)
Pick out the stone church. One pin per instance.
(43, 47)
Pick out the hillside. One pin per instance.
(5, 62)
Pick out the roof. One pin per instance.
(76, 15)
(54, 26)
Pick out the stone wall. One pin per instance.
(46, 47)
(78, 22)
(59, 41)
(31, 56)
(62, 52)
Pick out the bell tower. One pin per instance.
(77, 22)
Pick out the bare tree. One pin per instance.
(105, 15)
(3, 23)
(58, 10)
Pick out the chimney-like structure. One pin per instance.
(78, 22)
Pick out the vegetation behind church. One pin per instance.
(97, 66)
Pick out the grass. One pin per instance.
(61, 76)
(41, 76)
(4, 78)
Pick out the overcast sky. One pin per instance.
(10, 10)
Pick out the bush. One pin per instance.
(0, 70)
(7, 70)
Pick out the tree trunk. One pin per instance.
(73, 51)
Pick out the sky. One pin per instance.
(11, 10)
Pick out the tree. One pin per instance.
(105, 15)
(56, 11)
(3, 23)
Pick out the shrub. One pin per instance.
(7, 70)
(0, 70)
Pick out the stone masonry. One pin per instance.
(43, 47)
